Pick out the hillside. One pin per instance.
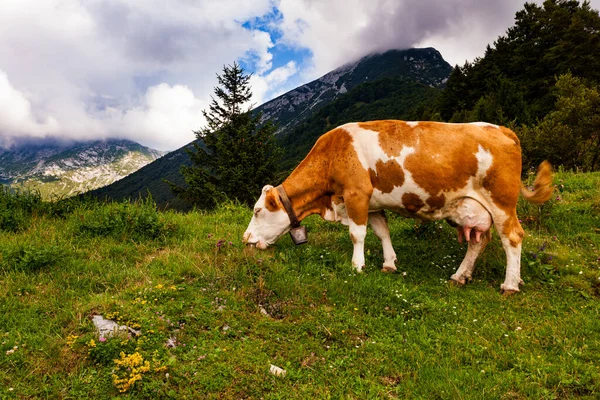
(213, 315)
(62, 169)
(150, 179)
(403, 82)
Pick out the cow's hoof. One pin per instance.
(459, 280)
(507, 290)
(388, 269)
(455, 282)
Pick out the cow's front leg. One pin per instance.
(380, 226)
(357, 208)
(464, 273)
(358, 234)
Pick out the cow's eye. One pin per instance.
(257, 211)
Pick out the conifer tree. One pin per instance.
(235, 154)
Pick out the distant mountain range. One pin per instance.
(62, 169)
(396, 84)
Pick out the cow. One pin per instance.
(468, 174)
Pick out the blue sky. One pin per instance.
(145, 69)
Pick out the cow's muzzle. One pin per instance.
(299, 235)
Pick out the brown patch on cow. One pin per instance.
(440, 163)
(436, 202)
(510, 135)
(503, 178)
(513, 231)
(412, 202)
(393, 135)
(271, 201)
(387, 176)
(353, 238)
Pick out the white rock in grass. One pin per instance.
(108, 328)
(264, 312)
(171, 342)
(275, 370)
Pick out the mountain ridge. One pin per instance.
(289, 109)
(64, 168)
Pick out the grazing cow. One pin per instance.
(468, 174)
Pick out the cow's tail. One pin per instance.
(542, 187)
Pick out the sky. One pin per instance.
(145, 69)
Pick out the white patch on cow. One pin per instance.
(484, 124)
(330, 215)
(412, 124)
(337, 213)
(366, 146)
(484, 160)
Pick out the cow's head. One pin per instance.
(270, 220)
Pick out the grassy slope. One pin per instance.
(337, 333)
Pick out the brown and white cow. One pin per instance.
(468, 174)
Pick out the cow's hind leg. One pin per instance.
(464, 273)
(511, 235)
(380, 226)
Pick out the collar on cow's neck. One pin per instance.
(285, 200)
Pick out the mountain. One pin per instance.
(151, 179)
(63, 169)
(425, 66)
(395, 84)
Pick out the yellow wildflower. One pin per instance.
(71, 340)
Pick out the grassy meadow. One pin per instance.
(231, 311)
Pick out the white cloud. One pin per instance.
(79, 60)
(17, 117)
(165, 120)
(272, 84)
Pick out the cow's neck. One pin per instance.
(307, 189)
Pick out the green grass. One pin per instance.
(338, 334)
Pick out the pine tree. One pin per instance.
(235, 154)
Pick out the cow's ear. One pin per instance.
(266, 188)
(271, 203)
